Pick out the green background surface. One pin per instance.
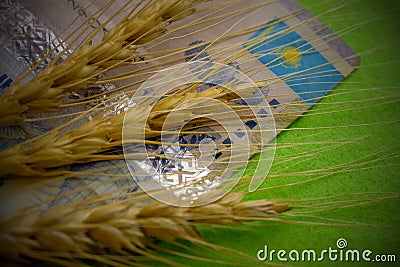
(381, 176)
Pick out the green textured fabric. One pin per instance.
(379, 176)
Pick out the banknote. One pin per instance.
(280, 42)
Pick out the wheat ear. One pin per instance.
(44, 92)
(83, 143)
(73, 232)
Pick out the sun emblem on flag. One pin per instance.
(289, 56)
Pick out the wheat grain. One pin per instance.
(120, 227)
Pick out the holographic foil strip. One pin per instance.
(26, 38)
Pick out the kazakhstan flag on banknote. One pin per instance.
(294, 60)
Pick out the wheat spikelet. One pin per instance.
(119, 226)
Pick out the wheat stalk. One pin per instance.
(124, 228)
(44, 92)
